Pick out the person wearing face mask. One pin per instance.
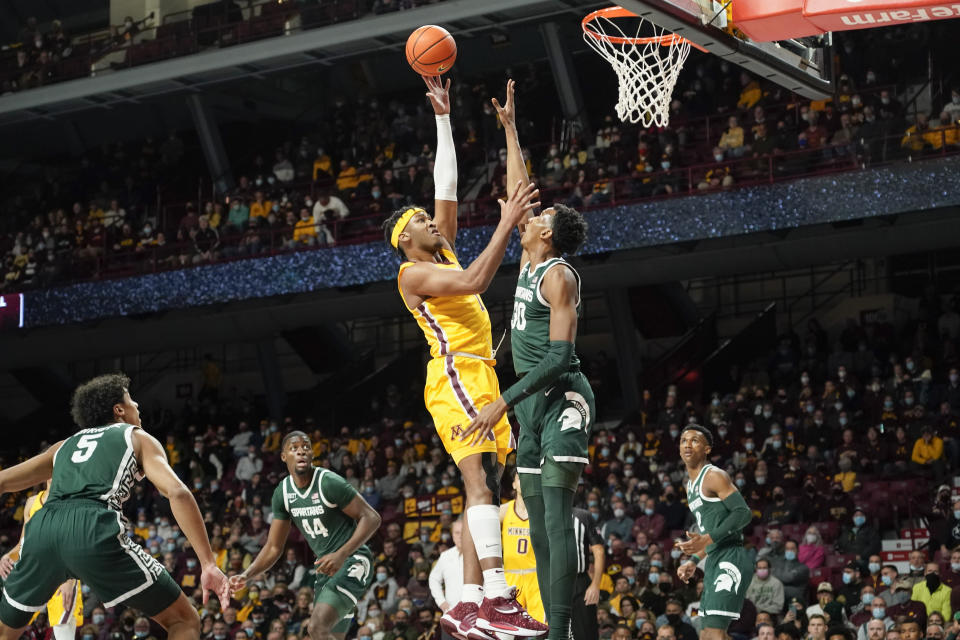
(812, 552)
(794, 575)
(650, 522)
(951, 576)
(765, 590)
(620, 524)
(932, 592)
(851, 583)
(859, 538)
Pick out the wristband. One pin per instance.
(695, 558)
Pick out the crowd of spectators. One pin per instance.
(367, 157)
(811, 436)
(45, 54)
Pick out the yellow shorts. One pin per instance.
(457, 388)
(528, 592)
(57, 607)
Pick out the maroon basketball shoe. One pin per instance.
(507, 616)
(461, 622)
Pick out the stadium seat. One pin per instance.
(828, 530)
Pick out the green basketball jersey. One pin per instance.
(96, 463)
(317, 510)
(709, 512)
(530, 326)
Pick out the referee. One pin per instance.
(586, 590)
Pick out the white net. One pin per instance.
(647, 67)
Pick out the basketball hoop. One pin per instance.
(647, 67)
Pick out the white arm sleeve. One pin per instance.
(445, 163)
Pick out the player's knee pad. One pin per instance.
(491, 472)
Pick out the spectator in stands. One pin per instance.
(907, 607)
(852, 583)
(794, 575)
(918, 137)
(860, 538)
(816, 627)
(305, 231)
(824, 597)
(206, 242)
(651, 523)
(927, 456)
(765, 590)
(248, 465)
(620, 524)
(238, 216)
(951, 577)
(732, 141)
(812, 552)
(934, 595)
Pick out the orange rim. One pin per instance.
(665, 40)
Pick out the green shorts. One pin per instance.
(555, 423)
(83, 539)
(346, 587)
(727, 574)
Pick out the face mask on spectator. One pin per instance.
(859, 521)
(631, 459)
(748, 446)
(874, 567)
(722, 433)
(191, 563)
(594, 515)
(718, 157)
(381, 576)
(748, 428)
(605, 452)
(618, 513)
(879, 613)
(866, 598)
(648, 512)
(908, 400)
(171, 546)
(761, 480)
(847, 578)
(674, 433)
(888, 404)
(843, 421)
(886, 580)
(653, 578)
(790, 555)
(740, 482)
(98, 618)
(249, 632)
(675, 553)
(763, 573)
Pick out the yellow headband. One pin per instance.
(401, 225)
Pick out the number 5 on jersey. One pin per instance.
(85, 447)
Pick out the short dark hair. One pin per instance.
(388, 226)
(788, 628)
(701, 430)
(569, 229)
(92, 402)
(291, 436)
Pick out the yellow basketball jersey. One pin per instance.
(517, 550)
(453, 325)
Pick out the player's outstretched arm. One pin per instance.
(559, 288)
(153, 461)
(423, 279)
(445, 162)
(268, 556)
(368, 521)
(29, 473)
(516, 167)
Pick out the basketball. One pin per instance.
(431, 50)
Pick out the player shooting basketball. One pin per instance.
(445, 300)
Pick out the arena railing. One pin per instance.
(102, 262)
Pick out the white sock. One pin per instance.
(471, 593)
(66, 631)
(494, 583)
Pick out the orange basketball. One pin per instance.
(431, 50)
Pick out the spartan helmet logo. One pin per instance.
(729, 578)
(361, 570)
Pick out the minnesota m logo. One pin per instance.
(729, 579)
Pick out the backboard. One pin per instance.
(803, 66)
